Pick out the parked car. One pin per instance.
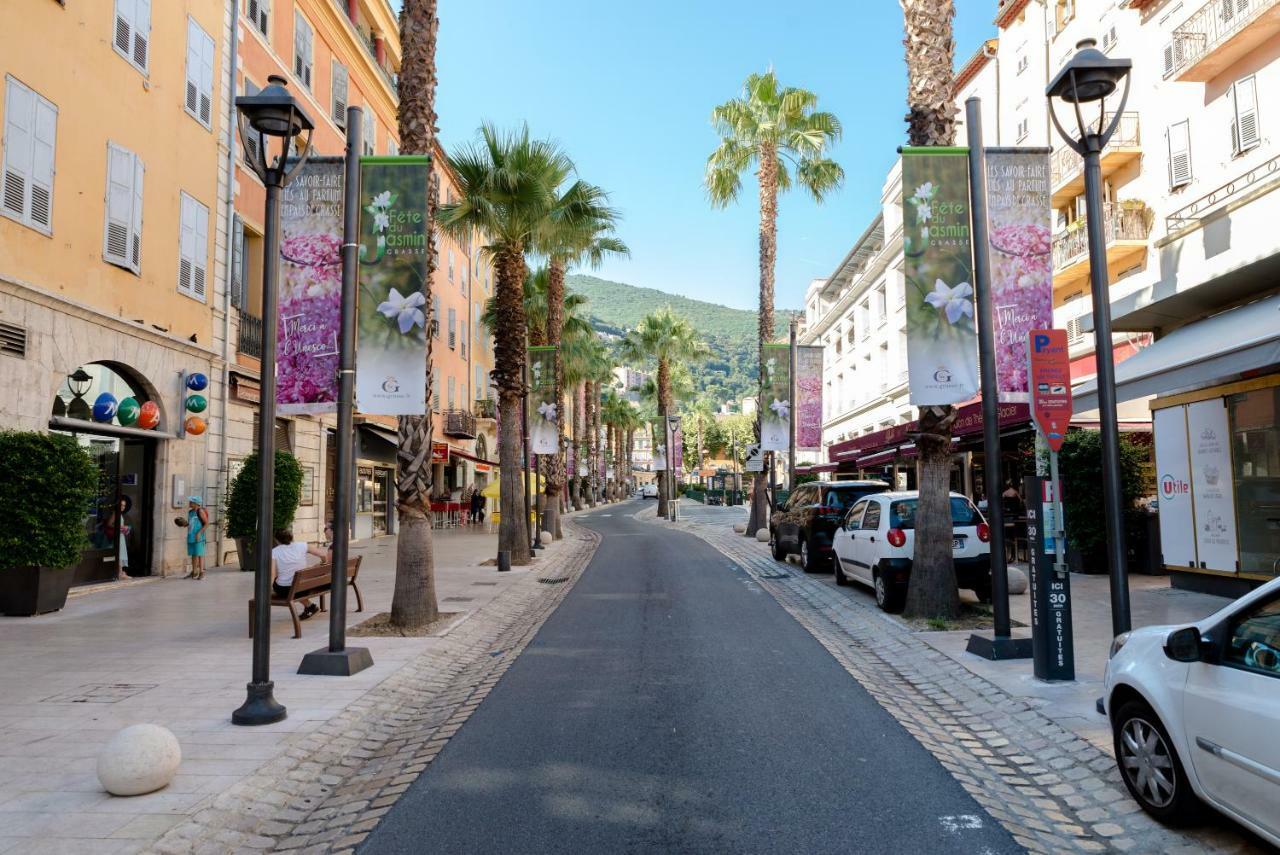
(875, 544)
(807, 523)
(1195, 713)
(649, 491)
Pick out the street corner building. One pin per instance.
(131, 259)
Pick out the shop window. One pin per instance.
(1255, 431)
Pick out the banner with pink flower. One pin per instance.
(310, 289)
(1018, 212)
(808, 409)
(391, 351)
(942, 341)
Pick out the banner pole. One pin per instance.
(791, 435)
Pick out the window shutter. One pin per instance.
(206, 79)
(435, 316)
(192, 100)
(1179, 154)
(141, 32)
(135, 235)
(18, 134)
(1246, 104)
(42, 164)
(340, 95)
(302, 49)
(119, 204)
(124, 26)
(453, 385)
(237, 262)
(251, 140)
(186, 244)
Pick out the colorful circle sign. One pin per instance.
(104, 407)
(196, 403)
(194, 425)
(149, 415)
(197, 382)
(127, 412)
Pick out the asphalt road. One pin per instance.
(669, 705)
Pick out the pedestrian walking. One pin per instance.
(197, 522)
(118, 529)
(287, 558)
(477, 507)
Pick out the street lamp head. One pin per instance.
(1090, 75)
(272, 113)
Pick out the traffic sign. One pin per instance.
(754, 458)
(1049, 380)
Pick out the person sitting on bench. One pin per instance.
(287, 558)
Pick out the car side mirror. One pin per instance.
(1183, 645)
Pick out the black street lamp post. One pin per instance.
(271, 114)
(1091, 76)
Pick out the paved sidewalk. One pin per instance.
(1055, 791)
(175, 652)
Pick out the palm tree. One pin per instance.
(413, 600)
(931, 121)
(508, 186)
(780, 132)
(583, 353)
(667, 339)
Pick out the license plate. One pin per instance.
(957, 543)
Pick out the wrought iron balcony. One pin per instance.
(1236, 192)
(1125, 228)
(1066, 167)
(486, 408)
(249, 337)
(459, 423)
(1217, 35)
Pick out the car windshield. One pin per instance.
(842, 500)
(902, 513)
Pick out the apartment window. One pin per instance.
(1109, 40)
(30, 133)
(239, 264)
(864, 319)
(902, 353)
(393, 150)
(435, 316)
(453, 386)
(881, 304)
(259, 12)
(338, 95)
(451, 265)
(1023, 62)
(884, 365)
(462, 339)
(250, 146)
(1179, 135)
(1244, 127)
(1024, 127)
(303, 49)
(453, 328)
(193, 248)
(133, 31)
(479, 381)
(435, 392)
(122, 240)
(475, 321)
(370, 142)
(199, 97)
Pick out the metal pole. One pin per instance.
(1059, 530)
(524, 430)
(260, 705)
(791, 453)
(992, 468)
(537, 512)
(1098, 288)
(338, 660)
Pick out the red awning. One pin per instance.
(457, 452)
(815, 468)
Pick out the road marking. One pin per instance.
(960, 822)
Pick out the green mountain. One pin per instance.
(730, 373)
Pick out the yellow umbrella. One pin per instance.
(493, 488)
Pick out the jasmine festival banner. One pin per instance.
(808, 406)
(391, 354)
(775, 409)
(310, 289)
(942, 353)
(544, 415)
(1021, 262)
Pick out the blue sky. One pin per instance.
(627, 89)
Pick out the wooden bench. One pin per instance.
(309, 582)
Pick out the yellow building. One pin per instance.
(113, 119)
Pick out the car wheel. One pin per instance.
(775, 547)
(983, 593)
(889, 597)
(841, 579)
(1150, 765)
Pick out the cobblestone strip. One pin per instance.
(329, 789)
(1052, 790)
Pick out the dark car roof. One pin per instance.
(837, 485)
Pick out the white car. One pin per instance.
(875, 543)
(649, 491)
(1195, 713)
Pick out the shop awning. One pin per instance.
(815, 468)
(457, 452)
(1217, 349)
(384, 433)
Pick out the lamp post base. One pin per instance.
(260, 706)
(336, 663)
(998, 647)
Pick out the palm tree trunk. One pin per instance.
(413, 599)
(555, 326)
(930, 49)
(768, 178)
(578, 456)
(664, 407)
(629, 452)
(593, 443)
(509, 362)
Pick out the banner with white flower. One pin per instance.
(391, 350)
(310, 289)
(775, 409)
(1018, 212)
(544, 409)
(942, 341)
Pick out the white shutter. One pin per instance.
(1179, 154)
(43, 145)
(250, 140)
(1246, 124)
(141, 32)
(206, 79)
(186, 244)
(123, 38)
(135, 234)
(302, 53)
(19, 117)
(119, 205)
(237, 262)
(192, 95)
(370, 132)
(200, 254)
(339, 94)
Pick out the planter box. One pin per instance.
(26, 591)
(244, 552)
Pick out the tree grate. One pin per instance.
(555, 581)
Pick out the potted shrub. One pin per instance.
(1080, 463)
(241, 511)
(47, 484)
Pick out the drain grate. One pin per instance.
(458, 599)
(484, 583)
(775, 575)
(100, 693)
(556, 581)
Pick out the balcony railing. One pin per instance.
(486, 408)
(459, 423)
(1067, 163)
(1228, 195)
(249, 338)
(1210, 28)
(1119, 224)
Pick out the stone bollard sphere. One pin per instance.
(140, 759)
(548, 537)
(1017, 581)
(762, 535)
(740, 528)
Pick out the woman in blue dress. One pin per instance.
(197, 521)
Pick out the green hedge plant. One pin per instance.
(241, 511)
(1080, 463)
(47, 486)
